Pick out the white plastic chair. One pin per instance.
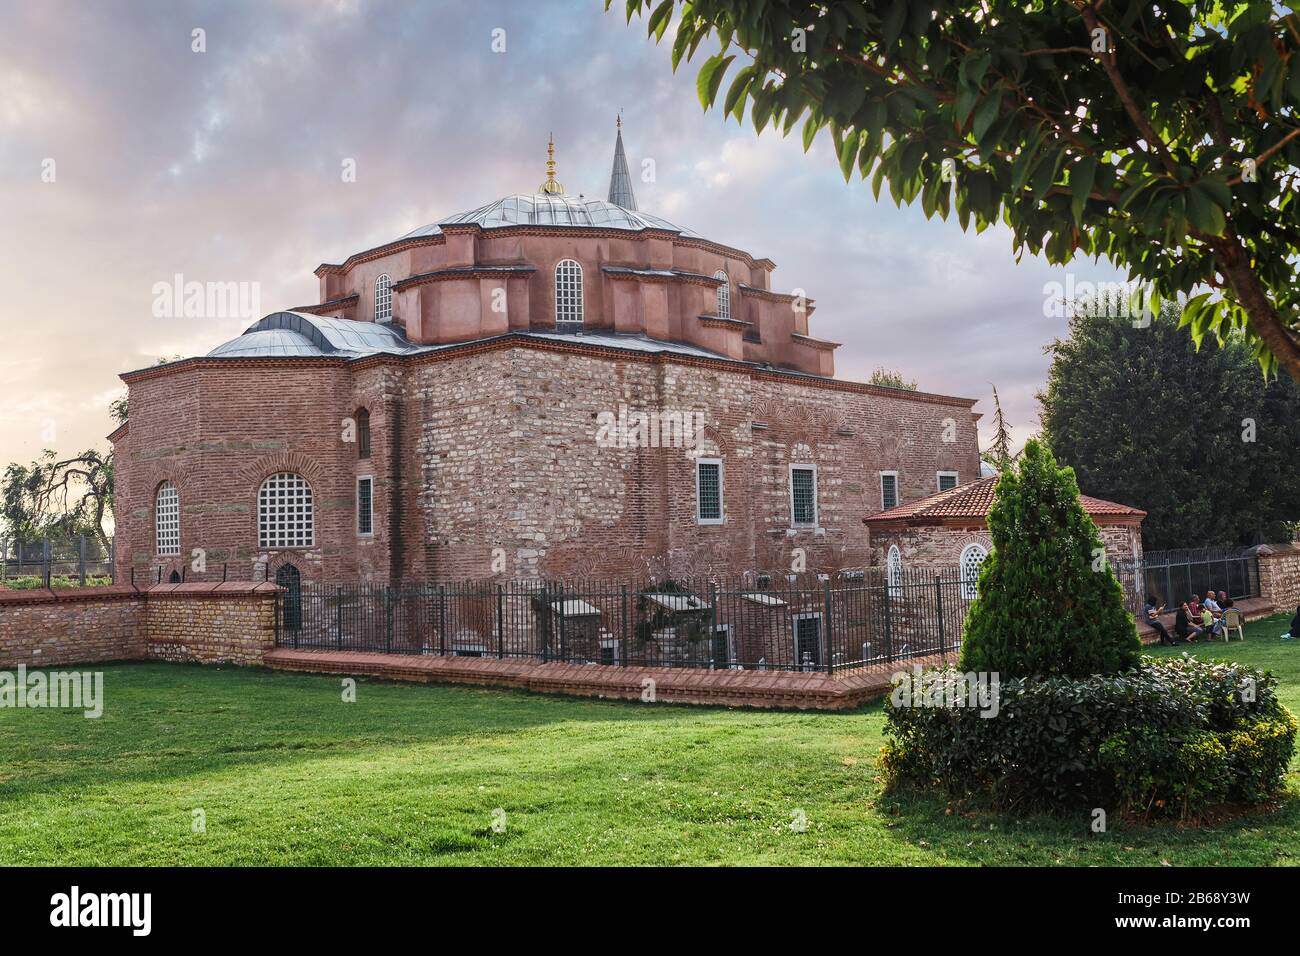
(1232, 620)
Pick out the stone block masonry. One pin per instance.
(191, 623)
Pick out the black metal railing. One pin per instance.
(753, 621)
(1172, 577)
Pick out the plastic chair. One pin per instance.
(1232, 621)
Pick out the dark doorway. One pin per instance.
(289, 577)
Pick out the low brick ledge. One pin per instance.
(126, 592)
(782, 690)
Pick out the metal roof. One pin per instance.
(620, 181)
(552, 210)
(297, 334)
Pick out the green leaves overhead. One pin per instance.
(1179, 163)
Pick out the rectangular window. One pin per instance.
(888, 490)
(365, 506)
(708, 490)
(803, 495)
(947, 479)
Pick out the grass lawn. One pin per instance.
(285, 772)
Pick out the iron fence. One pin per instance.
(79, 558)
(1172, 577)
(754, 621)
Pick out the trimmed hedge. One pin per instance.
(1175, 736)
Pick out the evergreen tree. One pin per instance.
(1049, 604)
(1196, 438)
(999, 453)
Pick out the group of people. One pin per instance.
(1194, 618)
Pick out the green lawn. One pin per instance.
(285, 772)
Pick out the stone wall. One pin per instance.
(1279, 575)
(43, 628)
(201, 623)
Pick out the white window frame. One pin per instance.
(569, 311)
(371, 480)
(790, 484)
(940, 475)
(970, 589)
(285, 533)
(894, 570)
(384, 298)
(722, 508)
(898, 494)
(172, 525)
(724, 294)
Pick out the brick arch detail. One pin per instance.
(258, 471)
(155, 474)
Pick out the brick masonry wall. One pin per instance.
(203, 623)
(486, 463)
(43, 628)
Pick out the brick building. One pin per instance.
(547, 385)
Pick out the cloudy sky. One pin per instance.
(225, 166)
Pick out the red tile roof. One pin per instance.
(972, 500)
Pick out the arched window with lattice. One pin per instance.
(972, 559)
(285, 516)
(383, 299)
(724, 295)
(568, 296)
(167, 519)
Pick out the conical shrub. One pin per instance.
(1049, 604)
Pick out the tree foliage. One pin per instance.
(1193, 437)
(891, 379)
(1048, 605)
(1161, 136)
(999, 453)
(55, 497)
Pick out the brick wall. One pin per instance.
(495, 447)
(203, 623)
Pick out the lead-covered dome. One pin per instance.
(552, 210)
(287, 334)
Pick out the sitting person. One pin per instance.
(1184, 629)
(1294, 632)
(1212, 614)
(1194, 607)
(1225, 602)
(1153, 618)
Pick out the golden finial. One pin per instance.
(551, 187)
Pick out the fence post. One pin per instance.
(81, 560)
(830, 627)
(338, 616)
(624, 637)
(388, 618)
(442, 620)
(938, 602)
(889, 633)
(46, 558)
(713, 621)
(501, 623)
(563, 642)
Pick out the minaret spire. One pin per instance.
(620, 181)
(552, 186)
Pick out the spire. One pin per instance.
(552, 186)
(620, 181)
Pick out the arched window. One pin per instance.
(894, 570)
(284, 512)
(568, 295)
(167, 519)
(383, 299)
(724, 295)
(363, 433)
(972, 559)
